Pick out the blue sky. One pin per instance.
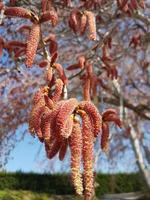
(23, 156)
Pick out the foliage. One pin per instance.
(60, 184)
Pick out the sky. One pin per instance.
(24, 156)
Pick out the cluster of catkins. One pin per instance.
(62, 123)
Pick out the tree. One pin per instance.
(103, 46)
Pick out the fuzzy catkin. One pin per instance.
(65, 111)
(92, 25)
(75, 143)
(83, 24)
(88, 157)
(32, 44)
(63, 150)
(50, 15)
(105, 137)
(95, 117)
(18, 12)
(58, 90)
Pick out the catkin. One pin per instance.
(32, 44)
(92, 25)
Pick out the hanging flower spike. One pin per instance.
(89, 69)
(15, 43)
(45, 126)
(32, 44)
(53, 47)
(92, 24)
(83, 24)
(40, 94)
(50, 15)
(18, 12)
(24, 28)
(1, 46)
(64, 113)
(48, 102)
(63, 150)
(53, 117)
(58, 90)
(35, 120)
(49, 74)
(88, 157)
(115, 119)
(93, 113)
(61, 73)
(67, 129)
(109, 111)
(75, 144)
(54, 148)
(74, 20)
(105, 137)
(81, 61)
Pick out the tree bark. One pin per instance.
(139, 156)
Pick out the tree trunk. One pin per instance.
(139, 156)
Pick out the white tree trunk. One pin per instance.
(139, 156)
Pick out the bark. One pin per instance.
(139, 156)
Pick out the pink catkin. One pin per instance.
(53, 47)
(88, 157)
(65, 111)
(81, 61)
(15, 43)
(108, 112)
(95, 117)
(50, 15)
(53, 117)
(18, 12)
(48, 102)
(74, 20)
(35, 120)
(67, 129)
(24, 28)
(114, 118)
(45, 125)
(92, 25)
(63, 150)
(75, 144)
(54, 148)
(49, 74)
(105, 137)
(1, 46)
(39, 95)
(83, 24)
(61, 73)
(58, 90)
(32, 44)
